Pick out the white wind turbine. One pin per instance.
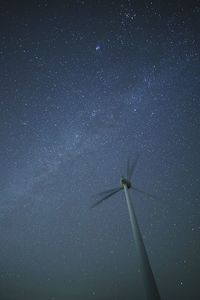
(150, 286)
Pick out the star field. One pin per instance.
(85, 85)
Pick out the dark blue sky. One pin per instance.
(84, 86)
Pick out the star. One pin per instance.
(98, 48)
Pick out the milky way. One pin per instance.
(84, 87)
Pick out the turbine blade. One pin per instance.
(105, 192)
(131, 167)
(106, 197)
(143, 192)
(128, 168)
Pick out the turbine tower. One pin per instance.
(150, 286)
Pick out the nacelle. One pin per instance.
(126, 182)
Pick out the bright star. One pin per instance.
(98, 48)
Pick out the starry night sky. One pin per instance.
(83, 86)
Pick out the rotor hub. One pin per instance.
(126, 182)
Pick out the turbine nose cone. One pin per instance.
(124, 181)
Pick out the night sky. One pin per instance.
(85, 85)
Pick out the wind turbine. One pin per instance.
(150, 286)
